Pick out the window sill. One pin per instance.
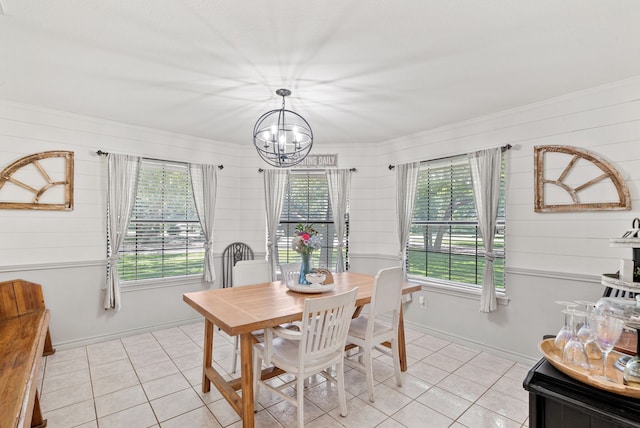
(148, 284)
(456, 289)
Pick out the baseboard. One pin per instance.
(118, 335)
(465, 341)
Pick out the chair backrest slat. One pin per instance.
(325, 324)
(290, 272)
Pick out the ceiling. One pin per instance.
(360, 71)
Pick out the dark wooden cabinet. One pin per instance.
(558, 401)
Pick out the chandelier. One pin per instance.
(282, 137)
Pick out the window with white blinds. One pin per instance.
(307, 201)
(164, 237)
(445, 241)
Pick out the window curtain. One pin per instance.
(204, 183)
(485, 177)
(275, 182)
(406, 184)
(122, 176)
(339, 183)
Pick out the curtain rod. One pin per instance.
(103, 153)
(311, 170)
(504, 149)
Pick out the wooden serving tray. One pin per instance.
(553, 355)
(628, 343)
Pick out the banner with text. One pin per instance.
(319, 161)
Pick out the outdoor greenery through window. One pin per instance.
(307, 201)
(164, 237)
(445, 241)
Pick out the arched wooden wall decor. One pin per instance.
(38, 184)
(608, 173)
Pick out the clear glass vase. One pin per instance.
(305, 268)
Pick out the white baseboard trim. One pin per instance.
(465, 341)
(525, 359)
(118, 335)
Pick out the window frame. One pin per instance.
(129, 276)
(325, 257)
(448, 285)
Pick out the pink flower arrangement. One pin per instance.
(305, 239)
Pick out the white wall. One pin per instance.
(65, 250)
(550, 256)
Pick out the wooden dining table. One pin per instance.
(241, 310)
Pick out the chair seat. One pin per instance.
(285, 356)
(358, 328)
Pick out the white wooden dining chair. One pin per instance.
(315, 348)
(368, 332)
(289, 273)
(248, 272)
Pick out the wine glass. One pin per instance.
(574, 351)
(565, 333)
(585, 332)
(608, 329)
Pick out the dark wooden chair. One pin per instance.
(230, 256)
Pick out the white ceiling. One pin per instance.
(361, 70)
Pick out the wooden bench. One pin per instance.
(24, 339)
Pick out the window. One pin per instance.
(445, 242)
(164, 237)
(307, 201)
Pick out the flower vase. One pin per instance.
(305, 268)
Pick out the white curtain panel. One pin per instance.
(204, 182)
(339, 183)
(485, 176)
(406, 184)
(275, 182)
(122, 176)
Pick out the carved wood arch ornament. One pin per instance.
(608, 173)
(41, 182)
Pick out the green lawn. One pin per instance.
(458, 267)
(454, 267)
(154, 265)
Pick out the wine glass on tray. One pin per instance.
(565, 333)
(585, 331)
(608, 329)
(574, 351)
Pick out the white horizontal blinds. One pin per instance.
(164, 237)
(444, 241)
(307, 201)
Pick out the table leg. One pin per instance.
(402, 346)
(246, 364)
(207, 354)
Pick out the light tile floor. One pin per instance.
(153, 380)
